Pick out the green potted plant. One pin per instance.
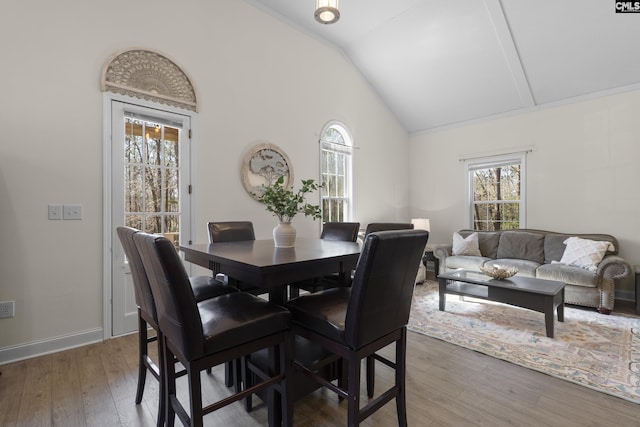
(285, 204)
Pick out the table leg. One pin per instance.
(548, 321)
(561, 312)
(277, 295)
(442, 290)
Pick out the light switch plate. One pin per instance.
(72, 212)
(55, 212)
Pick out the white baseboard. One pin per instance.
(50, 345)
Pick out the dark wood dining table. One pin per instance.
(260, 263)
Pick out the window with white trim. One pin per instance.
(496, 192)
(336, 147)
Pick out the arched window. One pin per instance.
(336, 147)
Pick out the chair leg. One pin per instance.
(286, 393)
(195, 397)
(401, 366)
(142, 353)
(371, 375)
(162, 402)
(236, 368)
(343, 372)
(169, 384)
(353, 386)
(228, 374)
(247, 381)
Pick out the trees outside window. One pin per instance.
(335, 158)
(151, 164)
(496, 193)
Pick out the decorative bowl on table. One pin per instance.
(499, 273)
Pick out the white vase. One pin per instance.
(284, 235)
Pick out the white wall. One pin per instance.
(582, 176)
(257, 80)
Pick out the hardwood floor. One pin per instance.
(447, 386)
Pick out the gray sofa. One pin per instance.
(536, 254)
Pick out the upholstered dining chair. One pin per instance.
(234, 231)
(203, 287)
(372, 228)
(203, 334)
(342, 231)
(355, 322)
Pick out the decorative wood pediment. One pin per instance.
(149, 75)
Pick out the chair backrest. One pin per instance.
(345, 231)
(230, 231)
(177, 309)
(141, 286)
(386, 226)
(383, 284)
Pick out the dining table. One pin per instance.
(260, 263)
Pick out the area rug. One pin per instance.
(594, 350)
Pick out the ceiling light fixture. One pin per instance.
(327, 11)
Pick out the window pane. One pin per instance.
(152, 190)
(153, 224)
(172, 202)
(153, 151)
(171, 154)
(331, 163)
(331, 190)
(333, 135)
(326, 211)
(340, 187)
(134, 221)
(340, 160)
(133, 191)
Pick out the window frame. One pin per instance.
(489, 162)
(345, 149)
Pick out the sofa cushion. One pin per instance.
(521, 245)
(554, 244)
(554, 247)
(585, 253)
(525, 268)
(466, 245)
(487, 241)
(465, 262)
(568, 274)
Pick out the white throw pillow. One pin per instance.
(466, 246)
(585, 253)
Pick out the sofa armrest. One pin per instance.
(613, 267)
(441, 252)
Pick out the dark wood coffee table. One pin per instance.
(544, 296)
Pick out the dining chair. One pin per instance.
(372, 228)
(204, 334)
(341, 231)
(203, 287)
(234, 231)
(355, 322)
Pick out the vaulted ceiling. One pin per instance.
(439, 63)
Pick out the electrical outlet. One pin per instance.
(72, 212)
(7, 309)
